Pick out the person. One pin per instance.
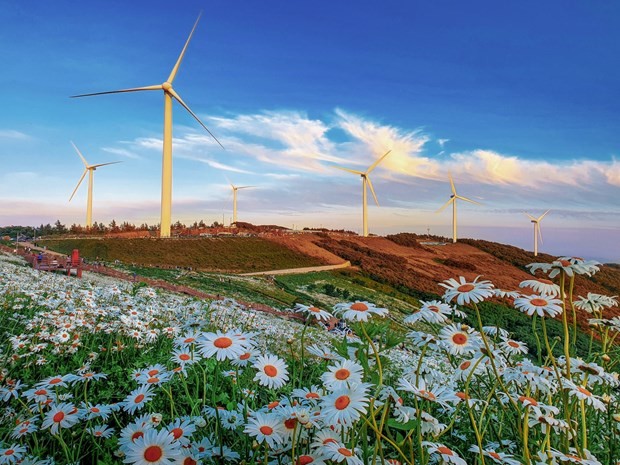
(40, 257)
(55, 262)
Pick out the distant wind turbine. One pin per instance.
(452, 201)
(166, 172)
(90, 169)
(234, 191)
(537, 232)
(366, 182)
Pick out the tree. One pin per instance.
(59, 228)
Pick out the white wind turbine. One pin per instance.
(169, 95)
(366, 182)
(537, 232)
(452, 201)
(234, 191)
(90, 169)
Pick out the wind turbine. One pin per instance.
(452, 201)
(537, 232)
(90, 169)
(234, 190)
(166, 171)
(366, 182)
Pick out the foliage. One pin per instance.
(232, 254)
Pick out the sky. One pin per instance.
(519, 101)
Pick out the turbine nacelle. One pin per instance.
(366, 182)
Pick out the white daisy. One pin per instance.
(543, 306)
(342, 375)
(344, 406)
(225, 346)
(265, 427)
(466, 292)
(272, 371)
(359, 311)
(153, 448)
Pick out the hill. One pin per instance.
(224, 254)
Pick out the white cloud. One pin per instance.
(13, 134)
(121, 152)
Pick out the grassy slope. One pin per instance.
(244, 254)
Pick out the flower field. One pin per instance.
(103, 371)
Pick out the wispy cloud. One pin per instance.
(121, 152)
(13, 134)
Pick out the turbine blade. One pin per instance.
(445, 205)
(245, 187)
(104, 164)
(539, 232)
(530, 216)
(374, 165)
(452, 184)
(173, 73)
(80, 154)
(372, 190)
(467, 200)
(543, 215)
(184, 105)
(349, 170)
(121, 91)
(78, 184)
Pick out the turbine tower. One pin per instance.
(452, 201)
(537, 232)
(366, 182)
(90, 169)
(234, 191)
(169, 94)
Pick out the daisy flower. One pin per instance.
(272, 371)
(582, 393)
(497, 457)
(342, 375)
(310, 395)
(132, 432)
(101, 431)
(344, 406)
(184, 356)
(96, 411)
(225, 346)
(137, 399)
(265, 427)
(447, 455)
(442, 394)
(153, 448)
(595, 302)
(466, 292)
(25, 427)
(313, 458)
(316, 312)
(53, 381)
(13, 453)
(323, 352)
(337, 452)
(359, 311)
(458, 339)
(181, 430)
(431, 312)
(324, 437)
(541, 286)
(245, 358)
(541, 305)
(512, 347)
(63, 415)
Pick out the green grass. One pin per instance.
(230, 254)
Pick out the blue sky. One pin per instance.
(518, 100)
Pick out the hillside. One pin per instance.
(224, 254)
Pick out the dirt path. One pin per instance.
(307, 269)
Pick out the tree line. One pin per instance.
(58, 228)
